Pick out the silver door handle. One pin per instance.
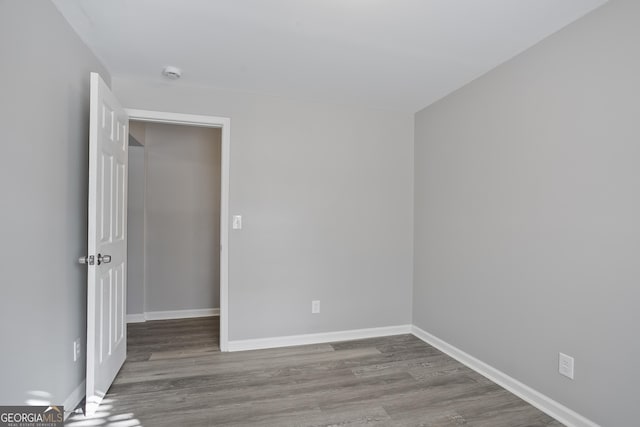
(89, 260)
(106, 259)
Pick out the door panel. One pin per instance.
(107, 242)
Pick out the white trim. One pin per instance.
(181, 314)
(74, 399)
(544, 403)
(135, 318)
(225, 124)
(224, 234)
(177, 118)
(291, 340)
(172, 314)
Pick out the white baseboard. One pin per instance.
(544, 403)
(174, 314)
(292, 340)
(74, 398)
(554, 409)
(136, 318)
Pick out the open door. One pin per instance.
(107, 257)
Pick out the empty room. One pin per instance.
(320, 213)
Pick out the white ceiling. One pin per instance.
(394, 54)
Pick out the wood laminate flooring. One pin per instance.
(175, 375)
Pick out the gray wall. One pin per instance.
(326, 197)
(527, 208)
(44, 117)
(135, 228)
(182, 217)
(137, 133)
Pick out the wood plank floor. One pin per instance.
(175, 375)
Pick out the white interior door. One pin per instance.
(107, 258)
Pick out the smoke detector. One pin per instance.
(172, 73)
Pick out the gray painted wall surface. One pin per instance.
(44, 117)
(183, 217)
(135, 229)
(326, 196)
(137, 133)
(527, 208)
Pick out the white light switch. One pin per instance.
(237, 222)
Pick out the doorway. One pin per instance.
(178, 217)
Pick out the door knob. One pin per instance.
(89, 260)
(106, 259)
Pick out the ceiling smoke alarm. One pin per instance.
(172, 73)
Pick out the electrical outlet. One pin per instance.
(565, 365)
(76, 350)
(315, 306)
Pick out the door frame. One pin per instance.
(224, 124)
